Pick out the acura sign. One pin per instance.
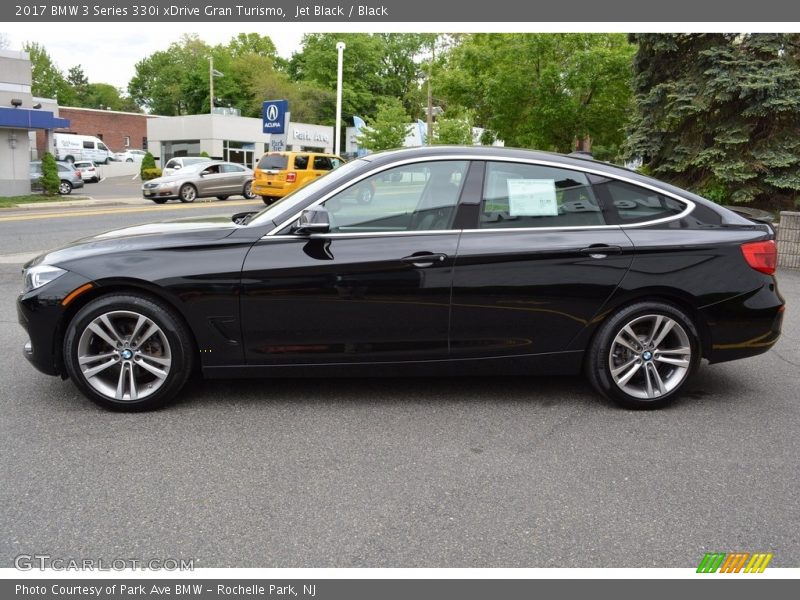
(273, 115)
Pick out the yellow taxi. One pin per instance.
(280, 173)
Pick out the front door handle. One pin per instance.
(424, 259)
(601, 250)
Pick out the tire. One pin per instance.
(128, 160)
(94, 180)
(64, 188)
(159, 200)
(651, 369)
(187, 193)
(70, 159)
(222, 197)
(105, 371)
(268, 199)
(247, 192)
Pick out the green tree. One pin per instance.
(148, 162)
(542, 90)
(79, 83)
(50, 181)
(47, 79)
(388, 129)
(454, 127)
(252, 43)
(720, 113)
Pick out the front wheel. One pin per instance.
(65, 188)
(128, 160)
(128, 352)
(643, 356)
(188, 193)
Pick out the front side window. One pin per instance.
(517, 195)
(416, 197)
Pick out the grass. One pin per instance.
(11, 201)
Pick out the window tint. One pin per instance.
(88, 145)
(634, 204)
(322, 163)
(231, 168)
(520, 195)
(273, 162)
(416, 197)
(301, 162)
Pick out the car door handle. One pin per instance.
(601, 250)
(424, 259)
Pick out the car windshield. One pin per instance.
(298, 197)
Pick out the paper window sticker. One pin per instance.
(532, 198)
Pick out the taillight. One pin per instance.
(761, 256)
(291, 177)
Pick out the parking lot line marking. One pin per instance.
(115, 210)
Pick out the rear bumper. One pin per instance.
(275, 188)
(747, 325)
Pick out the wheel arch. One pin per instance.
(673, 296)
(128, 286)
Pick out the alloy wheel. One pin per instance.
(650, 356)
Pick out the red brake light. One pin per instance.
(291, 177)
(761, 256)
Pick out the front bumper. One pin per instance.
(165, 192)
(44, 318)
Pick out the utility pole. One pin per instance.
(337, 132)
(430, 95)
(211, 85)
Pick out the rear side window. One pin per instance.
(273, 162)
(322, 163)
(634, 204)
(520, 195)
(88, 145)
(231, 168)
(301, 162)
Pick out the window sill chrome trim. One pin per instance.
(532, 162)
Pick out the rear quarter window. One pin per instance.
(633, 204)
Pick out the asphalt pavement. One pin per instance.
(471, 472)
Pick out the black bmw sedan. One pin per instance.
(444, 260)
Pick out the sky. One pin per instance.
(108, 52)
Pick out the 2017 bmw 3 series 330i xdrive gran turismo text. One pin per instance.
(477, 261)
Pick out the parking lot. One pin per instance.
(483, 472)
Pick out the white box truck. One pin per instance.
(70, 147)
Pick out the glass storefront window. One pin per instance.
(242, 153)
(179, 148)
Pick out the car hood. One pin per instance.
(166, 234)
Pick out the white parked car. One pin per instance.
(178, 162)
(130, 156)
(88, 170)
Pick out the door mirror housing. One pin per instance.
(313, 220)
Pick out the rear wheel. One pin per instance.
(188, 192)
(70, 159)
(128, 352)
(643, 356)
(64, 188)
(268, 199)
(128, 160)
(247, 192)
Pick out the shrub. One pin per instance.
(49, 179)
(151, 173)
(204, 154)
(148, 162)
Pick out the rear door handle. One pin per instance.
(601, 250)
(424, 259)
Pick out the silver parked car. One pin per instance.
(203, 180)
(70, 178)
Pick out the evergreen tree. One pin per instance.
(720, 114)
(49, 180)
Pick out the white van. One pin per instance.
(70, 147)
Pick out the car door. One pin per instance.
(211, 181)
(375, 288)
(537, 264)
(302, 169)
(235, 177)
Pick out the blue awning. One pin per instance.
(23, 118)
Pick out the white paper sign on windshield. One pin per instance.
(532, 198)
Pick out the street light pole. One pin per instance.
(337, 132)
(211, 85)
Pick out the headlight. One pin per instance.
(37, 276)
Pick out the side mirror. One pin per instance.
(313, 220)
